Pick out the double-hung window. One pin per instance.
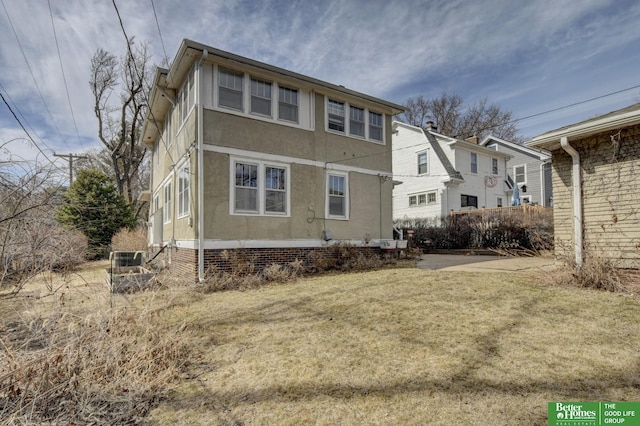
(335, 110)
(230, 88)
(288, 104)
(473, 162)
(260, 188)
(166, 208)
(260, 97)
(431, 197)
(423, 165)
(246, 188)
(183, 191)
(520, 173)
(337, 196)
(356, 121)
(375, 126)
(494, 166)
(275, 192)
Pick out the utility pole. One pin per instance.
(69, 158)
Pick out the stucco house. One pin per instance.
(436, 174)
(246, 155)
(529, 168)
(595, 167)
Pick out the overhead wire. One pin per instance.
(155, 15)
(64, 78)
(24, 55)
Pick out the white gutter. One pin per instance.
(200, 230)
(577, 199)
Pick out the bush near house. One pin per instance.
(507, 231)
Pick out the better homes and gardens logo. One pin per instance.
(593, 413)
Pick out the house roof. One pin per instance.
(444, 160)
(614, 120)
(169, 81)
(538, 153)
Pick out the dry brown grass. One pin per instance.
(406, 347)
(397, 346)
(130, 240)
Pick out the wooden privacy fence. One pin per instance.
(526, 213)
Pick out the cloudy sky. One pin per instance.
(529, 56)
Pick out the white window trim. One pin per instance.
(426, 152)
(426, 198)
(182, 99)
(347, 210)
(261, 188)
(497, 171)
(471, 154)
(305, 100)
(167, 207)
(525, 174)
(347, 121)
(184, 210)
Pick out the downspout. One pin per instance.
(205, 53)
(577, 199)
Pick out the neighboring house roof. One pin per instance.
(614, 120)
(191, 51)
(444, 160)
(537, 153)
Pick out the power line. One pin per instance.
(153, 6)
(29, 67)
(64, 78)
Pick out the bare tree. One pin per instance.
(31, 241)
(120, 122)
(451, 117)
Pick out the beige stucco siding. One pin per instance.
(307, 207)
(611, 210)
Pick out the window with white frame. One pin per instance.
(288, 104)
(156, 203)
(375, 126)
(260, 97)
(423, 163)
(473, 162)
(468, 201)
(499, 202)
(335, 111)
(431, 197)
(260, 188)
(184, 179)
(246, 188)
(413, 200)
(494, 166)
(337, 196)
(166, 208)
(520, 174)
(422, 199)
(275, 189)
(230, 89)
(356, 121)
(186, 98)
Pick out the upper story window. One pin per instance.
(166, 208)
(261, 97)
(520, 174)
(494, 166)
(356, 121)
(230, 84)
(335, 111)
(473, 162)
(375, 126)
(423, 164)
(288, 104)
(362, 123)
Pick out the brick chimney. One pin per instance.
(473, 139)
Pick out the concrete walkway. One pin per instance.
(485, 263)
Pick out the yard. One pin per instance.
(397, 346)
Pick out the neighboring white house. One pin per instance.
(435, 174)
(529, 168)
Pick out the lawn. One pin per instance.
(397, 346)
